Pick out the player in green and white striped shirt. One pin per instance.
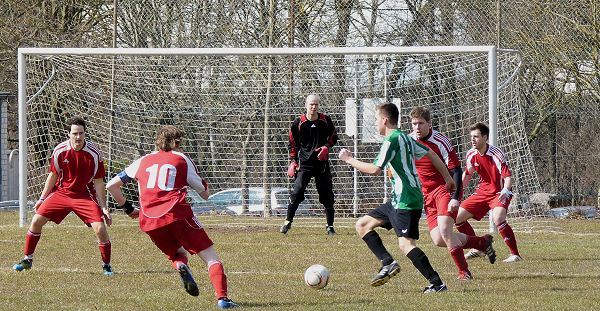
(397, 154)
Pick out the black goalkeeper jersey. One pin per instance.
(306, 136)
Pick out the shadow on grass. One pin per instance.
(300, 306)
(549, 276)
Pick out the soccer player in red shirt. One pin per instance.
(75, 184)
(440, 207)
(493, 192)
(163, 177)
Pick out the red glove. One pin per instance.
(323, 153)
(293, 168)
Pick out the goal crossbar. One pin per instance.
(257, 51)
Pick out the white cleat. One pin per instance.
(473, 253)
(513, 258)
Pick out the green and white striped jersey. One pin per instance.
(398, 153)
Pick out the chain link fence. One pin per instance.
(558, 40)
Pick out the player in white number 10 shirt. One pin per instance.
(163, 177)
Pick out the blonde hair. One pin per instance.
(168, 138)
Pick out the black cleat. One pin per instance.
(432, 288)
(330, 230)
(287, 225)
(187, 280)
(385, 273)
(489, 249)
(108, 270)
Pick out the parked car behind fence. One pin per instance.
(229, 202)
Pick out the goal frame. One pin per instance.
(491, 51)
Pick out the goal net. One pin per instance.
(236, 106)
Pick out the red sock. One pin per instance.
(459, 258)
(31, 241)
(509, 237)
(465, 227)
(474, 242)
(179, 258)
(218, 278)
(105, 251)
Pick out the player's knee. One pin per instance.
(438, 240)
(362, 226)
(37, 223)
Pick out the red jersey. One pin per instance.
(163, 178)
(430, 177)
(77, 170)
(491, 167)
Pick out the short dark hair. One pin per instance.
(168, 137)
(420, 112)
(482, 127)
(75, 121)
(389, 111)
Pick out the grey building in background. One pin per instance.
(9, 162)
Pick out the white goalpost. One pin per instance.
(235, 106)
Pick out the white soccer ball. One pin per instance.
(316, 276)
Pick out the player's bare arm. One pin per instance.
(467, 176)
(365, 167)
(508, 182)
(441, 167)
(198, 184)
(203, 192)
(100, 196)
(506, 192)
(48, 186)
(114, 188)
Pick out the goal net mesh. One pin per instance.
(236, 111)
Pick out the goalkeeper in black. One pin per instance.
(311, 137)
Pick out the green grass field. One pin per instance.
(265, 270)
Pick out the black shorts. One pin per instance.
(404, 221)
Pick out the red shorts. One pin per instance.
(187, 233)
(480, 204)
(436, 204)
(58, 205)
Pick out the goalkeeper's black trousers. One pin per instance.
(323, 183)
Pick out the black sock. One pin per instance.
(329, 216)
(375, 244)
(421, 262)
(291, 212)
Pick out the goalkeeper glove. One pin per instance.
(323, 153)
(127, 207)
(293, 168)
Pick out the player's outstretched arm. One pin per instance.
(114, 188)
(365, 167)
